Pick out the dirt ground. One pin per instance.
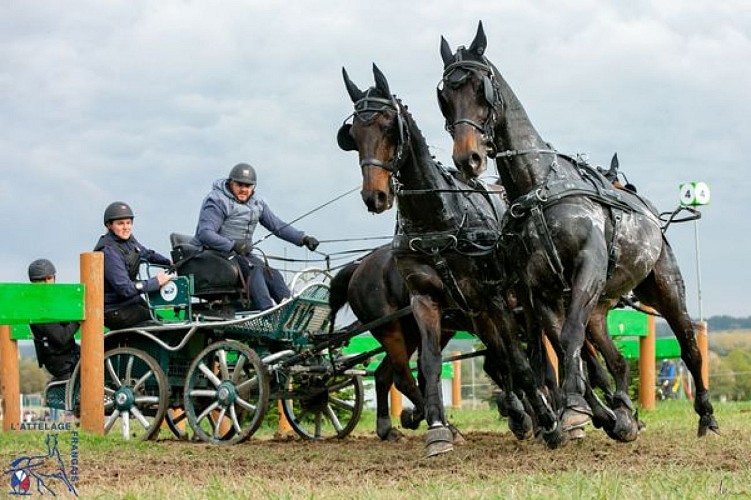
(666, 461)
(366, 460)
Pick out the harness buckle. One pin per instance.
(516, 211)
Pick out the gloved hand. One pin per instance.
(310, 242)
(240, 248)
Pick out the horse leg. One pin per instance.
(519, 422)
(411, 418)
(427, 312)
(626, 425)
(665, 291)
(551, 328)
(401, 349)
(586, 287)
(503, 343)
(596, 374)
(384, 376)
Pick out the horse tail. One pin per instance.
(338, 288)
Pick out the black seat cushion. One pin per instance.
(213, 273)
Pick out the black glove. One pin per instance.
(310, 242)
(240, 247)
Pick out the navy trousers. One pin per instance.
(266, 285)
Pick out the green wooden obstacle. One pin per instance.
(24, 303)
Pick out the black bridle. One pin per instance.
(366, 110)
(457, 74)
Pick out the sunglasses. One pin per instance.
(243, 184)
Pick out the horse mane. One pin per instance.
(419, 144)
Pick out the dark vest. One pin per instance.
(130, 252)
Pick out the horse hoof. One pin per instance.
(707, 423)
(576, 434)
(554, 438)
(394, 436)
(438, 440)
(573, 419)
(385, 431)
(626, 428)
(523, 429)
(458, 438)
(407, 419)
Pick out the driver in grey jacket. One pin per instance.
(229, 216)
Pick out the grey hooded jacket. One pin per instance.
(223, 220)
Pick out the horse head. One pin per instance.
(470, 99)
(377, 132)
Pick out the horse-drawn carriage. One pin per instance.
(208, 359)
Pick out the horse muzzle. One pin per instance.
(377, 201)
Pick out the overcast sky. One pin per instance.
(149, 102)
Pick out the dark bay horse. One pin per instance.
(578, 244)
(445, 249)
(374, 290)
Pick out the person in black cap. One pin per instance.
(123, 305)
(229, 215)
(54, 343)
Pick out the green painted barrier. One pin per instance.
(23, 303)
(666, 347)
(627, 323)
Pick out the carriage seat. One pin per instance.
(214, 275)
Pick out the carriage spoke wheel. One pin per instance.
(327, 410)
(135, 393)
(226, 393)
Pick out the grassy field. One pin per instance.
(730, 339)
(666, 461)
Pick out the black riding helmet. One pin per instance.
(244, 173)
(117, 210)
(41, 269)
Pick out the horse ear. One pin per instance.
(480, 43)
(446, 53)
(344, 138)
(380, 81)
(354, 93)
(614, 162)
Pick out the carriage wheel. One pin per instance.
(135, 393)
(226, 393)
(324, 411)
